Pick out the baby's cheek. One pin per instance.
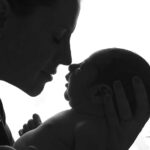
(91, 76)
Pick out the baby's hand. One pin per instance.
(31, 124)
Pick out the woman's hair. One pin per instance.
(119, 64)
(23, 8)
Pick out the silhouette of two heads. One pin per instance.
(35, 39)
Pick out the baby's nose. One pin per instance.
(73, 67)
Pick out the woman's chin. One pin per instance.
(36, 88)
(35, 91)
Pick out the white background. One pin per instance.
(101, 24)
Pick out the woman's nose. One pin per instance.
(67, 59)
(65, 56)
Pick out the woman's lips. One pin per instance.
(47, 76)
(47, 73)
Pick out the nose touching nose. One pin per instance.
(73, 67)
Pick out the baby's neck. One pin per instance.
(90, 110)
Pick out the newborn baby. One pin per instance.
(89, 83)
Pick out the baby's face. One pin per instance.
(79, 80)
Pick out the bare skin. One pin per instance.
(51, 58)
(118, 135)
(123, 133)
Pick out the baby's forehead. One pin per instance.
(98, 58)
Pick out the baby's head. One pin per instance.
(86, 80)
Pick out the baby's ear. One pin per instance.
(100, 92)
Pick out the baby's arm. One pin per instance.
(38, 137)
(44, 137)
(89, 136)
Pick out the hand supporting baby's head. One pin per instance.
(88, 79)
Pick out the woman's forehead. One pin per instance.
(68, 13)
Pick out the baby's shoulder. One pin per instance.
(89, 134)
(90, 126)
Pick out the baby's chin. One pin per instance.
(66, 96)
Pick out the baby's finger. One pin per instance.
(123, 106)
(31, 124)
(37, 119)
(20, 132)
(25, 128)
(142, 102)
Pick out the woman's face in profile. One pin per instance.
(34, 46)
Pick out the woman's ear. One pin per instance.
(99, 93)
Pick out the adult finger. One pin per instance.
(6, 148)
(112, 121)
(123, 106)
(142, 103)
(110, 112)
